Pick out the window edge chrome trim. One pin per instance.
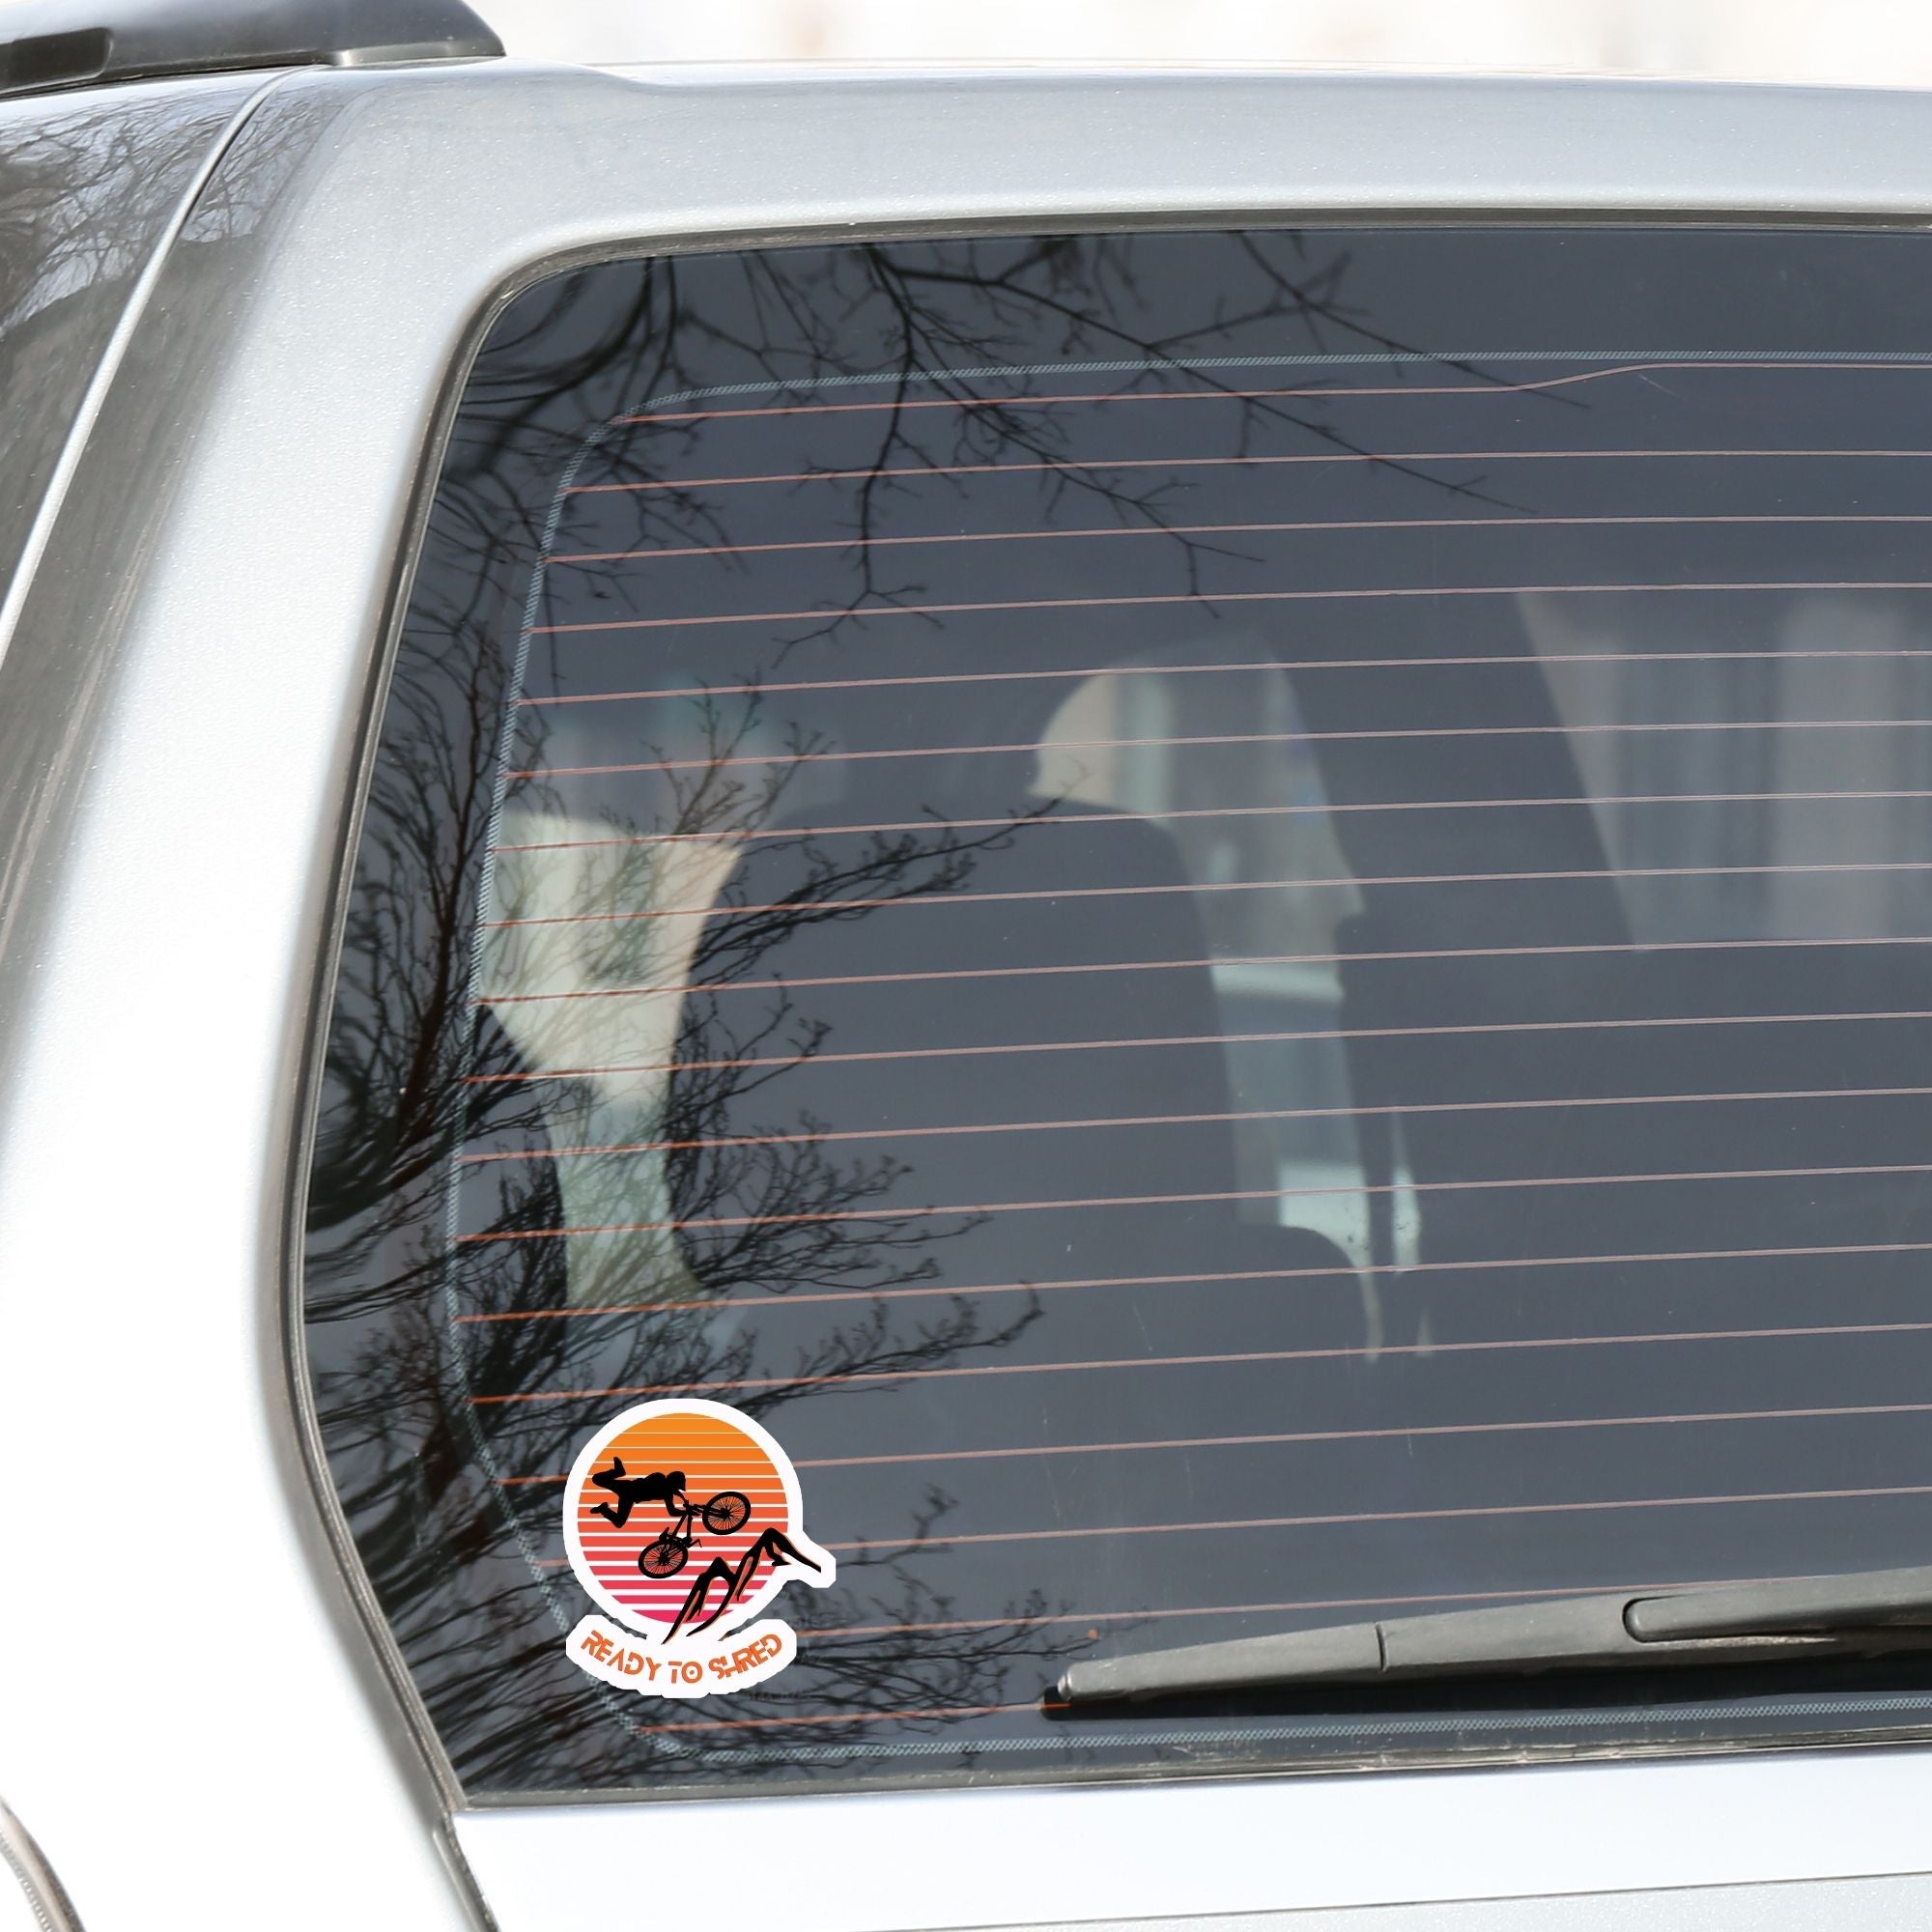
(45, 1893)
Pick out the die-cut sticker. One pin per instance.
(682, 1521)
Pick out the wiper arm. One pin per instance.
(1872, 1610)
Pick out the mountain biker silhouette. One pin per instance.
(660, 1487)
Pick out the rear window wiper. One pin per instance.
(1867, 1613)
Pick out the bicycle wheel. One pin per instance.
(727, 1511)
(664, 1557)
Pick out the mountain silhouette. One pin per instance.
(773, 1545)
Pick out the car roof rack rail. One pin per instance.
(51, 45)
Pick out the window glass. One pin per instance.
(1236, 923)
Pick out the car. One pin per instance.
(948, 998)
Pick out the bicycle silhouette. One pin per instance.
(668, 1553)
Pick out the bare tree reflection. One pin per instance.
(636, 1185)
(450, 1489)
(956, 323)
(83, 193)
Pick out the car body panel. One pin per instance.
(1150, 1852)
(90, 189)
(186, 710)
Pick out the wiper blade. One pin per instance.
(1869, 1612)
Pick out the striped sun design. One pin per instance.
(714, 1455)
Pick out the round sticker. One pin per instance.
(682, 1520)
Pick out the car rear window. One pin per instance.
(1234, 923)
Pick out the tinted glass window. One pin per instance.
(1236, 923)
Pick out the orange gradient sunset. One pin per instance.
(715, 1454)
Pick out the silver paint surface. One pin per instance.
(183, 717)
(88, 185)
(38, 1900)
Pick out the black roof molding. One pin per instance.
(56, 43)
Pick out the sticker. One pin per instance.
(682, 1520)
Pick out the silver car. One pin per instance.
(939, 1000)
